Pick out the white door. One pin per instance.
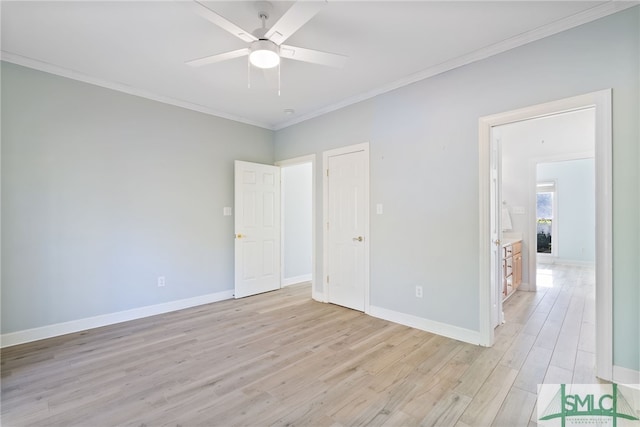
(497, 316)
(257, 225)
(347, 229)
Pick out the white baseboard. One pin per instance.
(625, 375)
(524, 286)
(629, 381)
(318, 296)
(574, 262)
(28, 335)
(565, 261)
(295, 280)
(449, 331)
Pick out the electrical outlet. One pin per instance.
(160, 281)
(418, 291)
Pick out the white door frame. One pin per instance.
(311, 158)
(601, 100)
(495, 221)
(325, 219)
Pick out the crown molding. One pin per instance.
(589, 15)
(596, 12)
(121, 87)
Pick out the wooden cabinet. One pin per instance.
(511, 267)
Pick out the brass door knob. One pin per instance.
(239, 236)
(358, 239)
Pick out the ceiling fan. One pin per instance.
(266, 46)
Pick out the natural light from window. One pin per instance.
(544, 216)
(544, 277)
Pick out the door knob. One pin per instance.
(496, 242)
(239, 236)
(358, 239)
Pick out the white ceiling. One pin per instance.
(141, 48)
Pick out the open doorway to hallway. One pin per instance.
(600, 102)
(548, 189)
(298, 219)
(548, 198)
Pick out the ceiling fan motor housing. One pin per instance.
(264, 53)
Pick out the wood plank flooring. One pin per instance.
(282, 359)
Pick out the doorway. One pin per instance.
(565, 201)
(298, 221)
(265, 255)
(346, 226)
(546, 164)
(601, 104)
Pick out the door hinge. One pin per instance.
(327, 172)
(327, 279)
(327, 225)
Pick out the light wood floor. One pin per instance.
(283, 359)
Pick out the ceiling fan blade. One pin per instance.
(313, 56)
(223, 22)
(293, 19)
(218, 58)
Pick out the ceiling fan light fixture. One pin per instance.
(264, 54)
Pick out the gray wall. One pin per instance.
(103, 192)
(575, 190)
(297, 232)
(424, 168)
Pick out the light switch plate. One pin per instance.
(379, 208)
(226, 211)
(518, 210)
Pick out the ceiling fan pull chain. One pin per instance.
(279, 65)
(248, 73)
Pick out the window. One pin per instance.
(545, 195)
